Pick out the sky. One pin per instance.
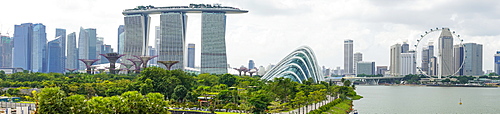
(274, 28)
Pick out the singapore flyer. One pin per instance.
(442, 58)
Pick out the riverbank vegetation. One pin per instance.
(109, 93)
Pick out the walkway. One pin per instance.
(309, 108)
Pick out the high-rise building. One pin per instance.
(99, 50)
(152, 52)
(6, 45)
(87, 45)
(121, 36)
(433, 66)
(458, 57)
(55, 61)
(262, 71)
(395, 62)
(23, 39)
(445, 59)
(367, 68)
(136, 36)
(72, 58)
(251, 64)
(358, 56)
(61, 34)
(191, 55)
(39, 58)
(173, 38)
(173, 23)
(408, 65)
(348, 57)
(381, 70)
(405, 47)
(497, 62)
(427, 54)
(473, 63)
(213, 43)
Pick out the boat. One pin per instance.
(460, 101)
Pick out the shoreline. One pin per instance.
(430, 85)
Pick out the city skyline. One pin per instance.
(365, 22)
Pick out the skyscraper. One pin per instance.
(39, 58)
(191, 55)
(497, 62)
(348, 57)
(408, 65)
(445, 59)
(427, 54)
(23, 39)
(152, 52)
(405, 47)
(395, 67)
(121, 36)
(172, 25)
(251, 64)
(87, 45)
(72, 58)
(213, 43)
(173, 38)
(61, 33)
(99, 48)
(473, 63)
(358, 56)
(458, 57)
(6, 46)
(136, 35)
(55, 61)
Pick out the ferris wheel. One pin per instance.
(439, 63)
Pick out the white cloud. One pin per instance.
(273, 29)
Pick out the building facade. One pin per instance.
(381, 70)
(191, 55)
(473, 62)
(395, 67)
(213, 43)
(23, 39)
(39, 58)
(121, 36)
(367, 68)
(348, 57)
(173, 23)
(446, 64)
(497, 62)
(136, 36)
(251, 64)
(458, 59)
(357, 57)
(172, 38)
(72, 58)
(408, 65)
(6, 45)
(55, 61)
(61, 35)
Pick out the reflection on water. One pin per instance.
(425, 100)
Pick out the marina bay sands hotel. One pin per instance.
(172, 43)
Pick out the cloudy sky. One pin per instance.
(274, 28)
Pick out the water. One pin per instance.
(427, 100)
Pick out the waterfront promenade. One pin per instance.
(310, 107)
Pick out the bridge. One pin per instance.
(367, 80)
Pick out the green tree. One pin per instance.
(260, 101)
(228, 79)
(179, 93)
(51, 101)
(76, 104)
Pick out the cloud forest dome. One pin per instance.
(299, 65)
